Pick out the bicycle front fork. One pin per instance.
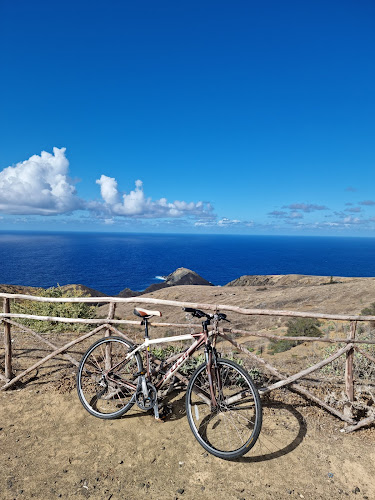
(212, 374)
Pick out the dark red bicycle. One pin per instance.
(222, 403)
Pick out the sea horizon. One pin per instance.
(112, 261)
(90, 231)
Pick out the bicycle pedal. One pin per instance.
(165, 413)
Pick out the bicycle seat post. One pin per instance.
(155, 406)
(145, 322)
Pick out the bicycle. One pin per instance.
(222, 403)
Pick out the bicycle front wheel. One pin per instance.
(106, 380)
(230, 427)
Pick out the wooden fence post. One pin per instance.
(7, 343)
(111, 315)
(108, 347)
(349, 381)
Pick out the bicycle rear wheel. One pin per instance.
(230, 428)
(106, 381)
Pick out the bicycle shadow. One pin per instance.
(174, 402)
(283, 430)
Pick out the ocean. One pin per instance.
(110, 262)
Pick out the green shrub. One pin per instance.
(55, 309)
(255, 374)
(297, 327)
(163, 353)
(192, 364)
(363, 368)
(303, 327)
(369, 311)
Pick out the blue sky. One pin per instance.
(223, 117)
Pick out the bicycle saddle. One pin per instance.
(145, 313)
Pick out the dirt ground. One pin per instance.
(50, 447)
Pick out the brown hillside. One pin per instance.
(349, 296)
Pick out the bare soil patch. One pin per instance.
(52, 448)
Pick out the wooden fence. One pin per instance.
(107, 325)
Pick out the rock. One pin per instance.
(84, 290)
(183, 276)
(154, 287)
(128, 293)
(180, 276)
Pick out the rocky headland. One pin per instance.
(180, 276)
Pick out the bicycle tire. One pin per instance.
(106, 384)
(231, 428)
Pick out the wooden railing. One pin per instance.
(108, 325)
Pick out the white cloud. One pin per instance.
(295, 215)
(136, 204)
(352, 220)
(305, 207)
(228, 222)
(204, 223)
(279, 214)
(224, 222)
(368, 203)
(353, 209)
(108, 189)
(39, 185)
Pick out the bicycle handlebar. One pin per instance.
(201, 314)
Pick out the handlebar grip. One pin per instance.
(189, 309)
(197, 313)
(223, 317)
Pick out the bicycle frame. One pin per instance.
(200, 339)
